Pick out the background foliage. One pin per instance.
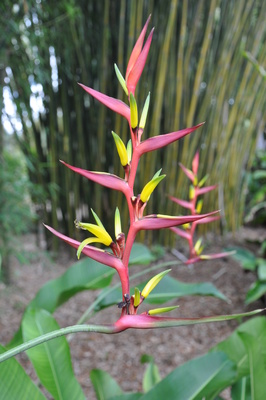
(196, 71)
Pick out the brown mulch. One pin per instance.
(120, 354)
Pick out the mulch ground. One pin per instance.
(120, 354)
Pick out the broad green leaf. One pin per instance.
(168, 289)
(151, 375)
(256, 291)
(141, 254)
(85, 274)
(196, 379)
(235, 348)
(241, 389)
(257, 366)
(262, 269)
(128, 396)
(104, 385)
(15, 383)
(245, 257)
(51, 360)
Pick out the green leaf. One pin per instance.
(245, 257)
(85, 274)
(261, 269)
(195, 379)
(128, 396)
(51, 360)
(104, 385)
(141, 254)
(236, 350)
(151, 376)
(241, 389)
(257, 290)
(256, 363)
(168, 289)
(15, 383)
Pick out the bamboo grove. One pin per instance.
(196, 70)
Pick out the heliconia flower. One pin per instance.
(198, 248)
(183, 203)
(136, 297)
(203, 180)
(161, 310)
(129, 150)
(133, 112)
(152, 283)
(101, 235)
(157, 142)
(158, 221)
(121, 79)
(92, 252)
(118, 228)
(103, 178)
(137, 48)
(181, 232)
(144, 113)
(150, 186)
(208, 220)
(203, 257)
(195, 163)
(205, 189)
(188, 172)
(114, 104)
(137, 59)
(121, 149)
(199, 206)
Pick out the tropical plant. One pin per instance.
(201, 68)
(52, 360)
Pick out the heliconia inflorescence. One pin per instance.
(194, 205)
(129, 155)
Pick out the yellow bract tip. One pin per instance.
(121, 149)
(153, 282)
(149, 188)
(161, 310)
(133, 112)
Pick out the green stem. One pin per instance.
(55, 334)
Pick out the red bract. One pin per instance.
(137, 59)
(108, 180)
(117, 106)
(157, 142)
(152, 222)
(92, 252)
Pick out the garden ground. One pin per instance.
(120, 354)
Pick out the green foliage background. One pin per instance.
(195, 71)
